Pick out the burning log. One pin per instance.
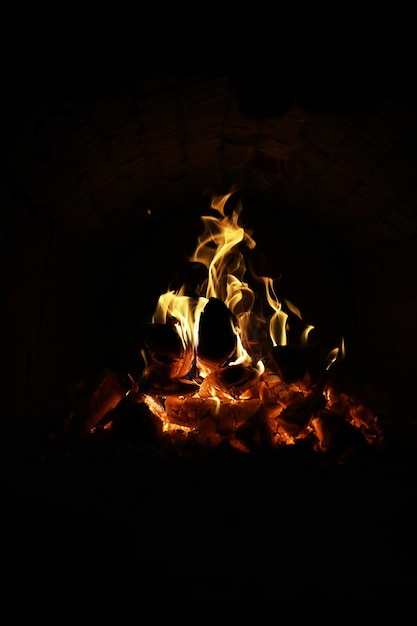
(256, 432)
(154, 383)
(296, 416)
(228, 398)
(356, 413)
(170, 355)
(217, 339)
(363, 418)
(226, 414)
(276, 395)
(241, 423)
(336, 435)
(132, 420)
(234, 381)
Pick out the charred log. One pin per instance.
(156, 383)
(336, 435)
(167, 351)
(255, 433)
(297, 415)
(192, 411)
(300, 364)
(133, 421)
(217, 338)
(234, 381)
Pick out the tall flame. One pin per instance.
(277, 323)
(219, 249)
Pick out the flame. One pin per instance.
(336, 354)
(278, 320)
(219, 249)
(186, 312)
(297, 312)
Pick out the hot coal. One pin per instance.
(234, 380)
(297, 415)
(255, 433)
(336, 435)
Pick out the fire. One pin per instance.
(227, 360)
(218, 361)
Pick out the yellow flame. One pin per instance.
(218, 250)
(278, 320)
(336, 354)
(186, 311)
(305, 333)
(294, 309)
(217, 403)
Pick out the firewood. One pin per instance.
(276, 395)
(133, 421)
(189, 411)
(154, 382)
(217, 338)
(363, 417)
(335, 434)
(233, 381)
(227, 414)
(256, 432)
(207, 429)
(297, 415)
(356, 413)
(167, 351)
(92, 401)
